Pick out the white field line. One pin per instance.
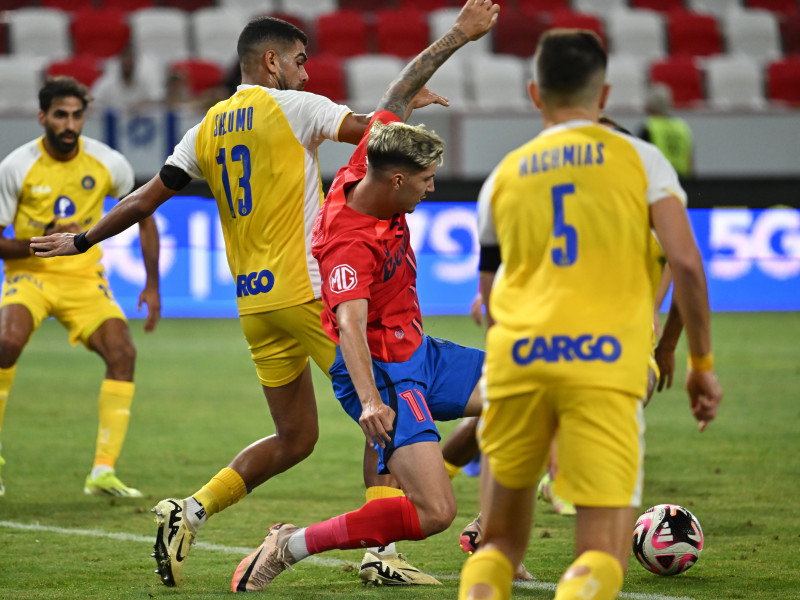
(316, 560)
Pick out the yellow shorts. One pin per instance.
(282, 340)
(81, 302)
(600, 443)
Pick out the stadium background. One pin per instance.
(747, 138)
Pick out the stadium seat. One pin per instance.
(627, 75)
(569, 19)
(790, 34)
(440, 22)
(126, 5)
(202, 74)
(343, 33)
(326, 77)
(423, 5)
(402, 33)
(215, 32)
(13, 4)
(734, 81)
(368, 77)
(778, 7)
(752, 32)
(39, 32)
(309, 10)
(100, 33)
(662, 6)
(22, 78)
(251, 8)
(599, 8)
(542, 6)
(85, 69)
(636, 32)
(518, 33)
(684, 78)
(359, 5)
(450, 80)
(187, 5)
(783, 81)
(692, 34)
(716, 8)
(68, 5)
(500, 82)
(159, 32)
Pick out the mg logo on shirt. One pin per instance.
(254, 283)
(563, 347)
(342, 279)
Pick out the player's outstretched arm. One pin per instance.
(691, 295)
(376, 418)
(665, 349)
(138, 205)
(474, 21)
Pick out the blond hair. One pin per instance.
(401, 145)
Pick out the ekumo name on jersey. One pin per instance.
(255, 283)
(584, 347)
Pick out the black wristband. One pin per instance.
(81, 243)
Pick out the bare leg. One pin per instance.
(461, 445)
(16, 327)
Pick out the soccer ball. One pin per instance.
(667, 539)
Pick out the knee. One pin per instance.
(121, 358)
(437, 516)
(298, 447)
(9, 352)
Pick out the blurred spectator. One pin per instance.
(128, 83)
(670, 134)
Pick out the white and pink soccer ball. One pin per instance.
(667, 539)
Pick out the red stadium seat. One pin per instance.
(202, 74)
(85, 69)
(401, 33)
(360, 5)
(662, 6)
(779, 7)
(684, 78)
(68, 5)
(693, 34)
(569, 19)
(790, 34)
(187, 5)
(424, 6)
(783, 80)
(518, 32)
(326, 77)
(99, 32)
(343, 33)
(126, 5)
(13, 4)
(295, 20)
(541, 6)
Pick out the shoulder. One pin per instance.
(104, 153)
(19, 161)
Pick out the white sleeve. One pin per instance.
(9, 191)
(121, 175)
(184, 156)
(662, 180)
(487, 235)
(312, 118)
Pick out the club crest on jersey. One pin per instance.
(64, 207)
(556, 348)
(342, 279)
(88, 182)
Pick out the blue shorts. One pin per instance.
(434, 384)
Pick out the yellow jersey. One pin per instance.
(37, 190)
(573, 299)
(258, 152)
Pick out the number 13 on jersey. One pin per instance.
(239, 153)
(567, 254)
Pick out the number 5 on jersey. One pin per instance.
(568, 254)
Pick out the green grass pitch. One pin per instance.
(198, 402)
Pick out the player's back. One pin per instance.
(257, 151)
(570, 210)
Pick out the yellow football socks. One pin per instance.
(381, 491)
(114, 407)
(225, 489)
(487, 575)
(452, 470)
(6, 381)
(594, 575)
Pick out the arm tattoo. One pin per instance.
(417, 73)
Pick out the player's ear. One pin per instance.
(41, 118)
(533, 92)
(271, 61)
(397, 180)
(604, 95)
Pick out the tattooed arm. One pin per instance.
(476, 18)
